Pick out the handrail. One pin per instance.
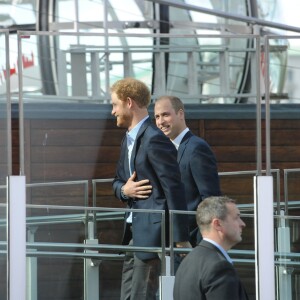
(116, 215)
(141, 35)
(222, 14)
(161, 48)
(51, 183)
(110, 256)
(248, 172)
(120, 257)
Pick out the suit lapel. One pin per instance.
(182, 145)
(137, 143)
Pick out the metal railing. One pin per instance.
(97, 251)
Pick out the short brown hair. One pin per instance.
(134, 89)
(175, 101)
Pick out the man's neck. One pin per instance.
(177, 140)
(137, 118)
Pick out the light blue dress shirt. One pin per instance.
(220, 248)
(131, 137)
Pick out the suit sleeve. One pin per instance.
(117, 185)
(205, 172)
(120, 179)
(163, 157)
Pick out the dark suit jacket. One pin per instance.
(205, 274)
(199, 174)
(153, 157)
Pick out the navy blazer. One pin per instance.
(199, 174)
(153, 157)
(205, 274)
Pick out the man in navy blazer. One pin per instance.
(196, 160)
(207, 273)
(147, 177)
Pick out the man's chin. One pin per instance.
(120, 124)
(166, 132)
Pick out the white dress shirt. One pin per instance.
(179, 138)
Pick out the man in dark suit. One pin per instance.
(196, 160)
(207, 272)
(147, 177)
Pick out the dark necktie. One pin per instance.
(125, 158)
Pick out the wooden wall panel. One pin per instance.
(81, 149)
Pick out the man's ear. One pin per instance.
(181, 113)
(129, 101)
(216, 224)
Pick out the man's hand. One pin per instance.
(185, 244)
(137, 189)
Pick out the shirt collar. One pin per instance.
(179, 138)
(220, 248)
(132, 134)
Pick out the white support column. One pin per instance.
(193, 77)
(284, 271)
(264, 238)
(91, 268)
(160, 74)
(31, 266)
(78, 73)
(95, 73)
(16, 259)
(166, 282)
(128, 70)
(224, 72)
(62, 73)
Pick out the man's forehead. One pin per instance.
(114, 97)
(163, 106)
(232, 207)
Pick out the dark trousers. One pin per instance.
(140, 278)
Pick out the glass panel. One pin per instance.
(172, 70)
(140, 63)
(59, 247)
(283, 56)
(79, 66)
(288, 258)
(55, 238)
(5, 153)
(243, 256)
(239, 186)
(284, 52)
(74, 193)
(31, 70)
(65, 259)
(209, 62)
(292, 191)
(281, 11)
(17, 12)
(3, 242)
(5, 100)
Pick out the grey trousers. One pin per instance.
(140, 278)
